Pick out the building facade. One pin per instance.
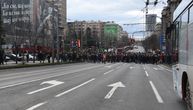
(97, 34)
(89, 33)
(49, 22)
(16, 17)
(112, 33)
(167, 20)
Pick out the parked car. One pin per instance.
(14, 57)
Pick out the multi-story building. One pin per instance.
(94, 34)
(112, 33)
(49, 19)
(123, 40)
(89, 33)
(16, 17)
(167, 19)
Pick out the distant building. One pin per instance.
(89, 33)
(150, 22)
(123, 40)
(112, 33)
(94, 33)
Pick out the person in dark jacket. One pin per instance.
(2, 56)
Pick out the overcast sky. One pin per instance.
(120, 11)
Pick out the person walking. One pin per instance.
(27, 57)
(2, 56)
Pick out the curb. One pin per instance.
(33, 65)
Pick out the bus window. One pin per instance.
(184, 19)
(191, 15)
(183, 38)
(190, 33)
(175, 42)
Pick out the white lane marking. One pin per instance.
(108, 66)
(108, 72)
(144, 67)
(155, 68)
(36, 106)
(165, 68)
(118, 67)
(75, 87)
(53, 84)
(159, 99)
(131, 68)
(146, 73)
(21, 83)
(115, 86)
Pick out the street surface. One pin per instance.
(89, 86)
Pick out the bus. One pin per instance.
(182, 44)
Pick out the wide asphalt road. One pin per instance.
(88, 86)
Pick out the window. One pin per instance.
(185, 18)
(191, 15)
(183, 38)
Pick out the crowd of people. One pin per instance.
(101, 57)
(112, 57)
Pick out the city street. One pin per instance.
(89, 86)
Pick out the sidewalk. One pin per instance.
(12, 64)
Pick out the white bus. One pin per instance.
(182, 35)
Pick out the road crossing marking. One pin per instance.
(36, 106)
(70, 90)
(108, 72)
(159, 99)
